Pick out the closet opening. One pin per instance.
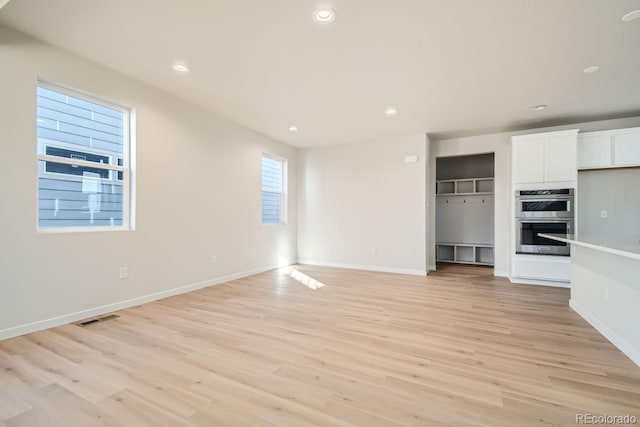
(465, 209)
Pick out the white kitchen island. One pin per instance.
(605, 287)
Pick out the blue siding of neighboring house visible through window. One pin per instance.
(78, 130)
(272, 176)
(271, 203)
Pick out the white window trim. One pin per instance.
(127, 168)
(284, 191)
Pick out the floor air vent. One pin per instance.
(97, 320)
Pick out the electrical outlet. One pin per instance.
(374, 251)
(124, 273)
(603, 214)
(214, 259)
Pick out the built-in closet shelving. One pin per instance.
(461, 187)
(465, 210)
(465, 253)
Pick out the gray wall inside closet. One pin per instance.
(475, 166)
(465, 218)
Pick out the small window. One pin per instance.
(83, 150)
(274, 178)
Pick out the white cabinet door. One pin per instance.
(528, 160)
(594, 151)
(542, 267)
(560, 158)
(545, 158)
(627, 148)
(609, 149)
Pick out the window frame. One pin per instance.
(44, 143)
(283, 190)
(127, 169)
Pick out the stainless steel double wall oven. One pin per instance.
(544, 211)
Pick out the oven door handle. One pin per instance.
(545, 220)
(559, 199)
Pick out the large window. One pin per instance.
(274, 179)
(84, 170)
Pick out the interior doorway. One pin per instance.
(465, 209)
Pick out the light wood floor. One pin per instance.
(459, 348)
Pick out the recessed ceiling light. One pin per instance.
(390, 111)
(631, 16)
(591, 69)
(180, 67)
(539, 107)
(325, 15)
(293, 129)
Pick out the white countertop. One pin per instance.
(616, 246)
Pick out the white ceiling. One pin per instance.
(451, 67)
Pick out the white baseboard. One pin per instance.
(109, 308)
(364, 267)
(630, 351)
(554, 284)
(432, 268)
(500, 273)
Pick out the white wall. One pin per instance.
(361, 206)
(500, 144)
(198, 194)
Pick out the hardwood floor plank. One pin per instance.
(60, 404)
(70, 375)
(11, 405)
(136, 410)
(266, 408)
(458, 348)
(36, 418)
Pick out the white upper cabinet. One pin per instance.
(594, 150)
(626, 148)
(560, 158)
(545, 158)
(528, 160)
(609, 149)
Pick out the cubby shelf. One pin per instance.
(465, 253)
(464, 187)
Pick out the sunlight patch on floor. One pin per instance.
(309, 282)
